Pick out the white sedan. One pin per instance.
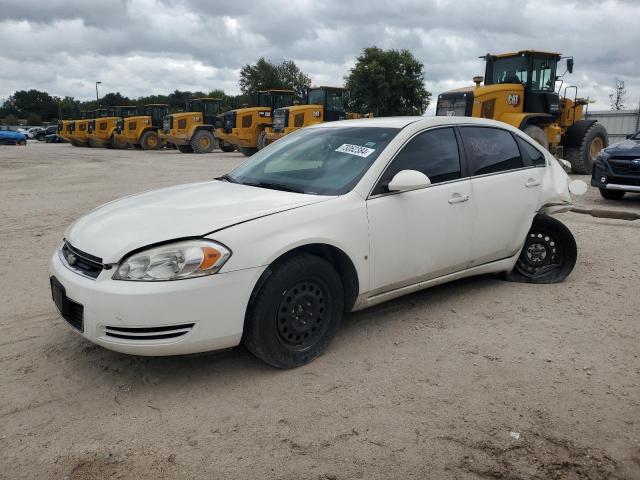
(329, 219)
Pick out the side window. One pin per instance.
(530, 154)
(434, 153)
(490, 150)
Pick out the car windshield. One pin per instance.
(317, 161)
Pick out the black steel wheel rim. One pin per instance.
(303, 314)
(540, 255)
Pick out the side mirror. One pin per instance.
(570, 65)
(406, 180)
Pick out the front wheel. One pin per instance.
(185, 148)
(612, 194)
(150, 140)
(247, 151)
(549, 253)
(296, 311)
(203, 141)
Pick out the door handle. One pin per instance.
(532, 182)
(459, 198)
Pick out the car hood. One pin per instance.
(116, 228)
(626, 148)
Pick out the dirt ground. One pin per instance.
(434, 385)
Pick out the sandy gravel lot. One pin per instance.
(427, 386)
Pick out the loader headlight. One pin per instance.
(174, 261)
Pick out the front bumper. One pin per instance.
(606, 177)
(212, 307)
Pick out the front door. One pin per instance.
(421, 234)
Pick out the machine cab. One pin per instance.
(535, 71)
(125, 111)
(274, 99)
(157, 112)
(210, 108)
(331, 98)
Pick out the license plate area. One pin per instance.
(72, 312)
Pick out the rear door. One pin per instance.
(506, 188)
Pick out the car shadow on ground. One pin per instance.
(92, 360)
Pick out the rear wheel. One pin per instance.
(538, 135)
(549, 253)
(150, 141)
(247, 151)
(227, 148)
(295, 313)
(203, 141)
(612, 194)
(262, 140)
(185, 148)
(583, 156)
(22, 143)
(115, 143)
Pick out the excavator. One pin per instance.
(523, 89)
(142, 131)
(246, 128)
(192, 131)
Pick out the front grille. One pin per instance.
(621, 166)
(229, 121)
(81, 262)
(280, 119)
(459, 104)
(148, 333)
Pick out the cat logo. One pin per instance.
(513, 99)
(196, 118)
(316, 114)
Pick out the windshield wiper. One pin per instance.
(274, 186)
(226, 178)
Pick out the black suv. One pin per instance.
(617, 168)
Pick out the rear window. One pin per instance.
(530, 154)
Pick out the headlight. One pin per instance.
(174, 261)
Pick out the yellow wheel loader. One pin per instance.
(324, 104)
(142, 131)
(65, 129)
(520, 89)
(192, 131)
(103, 129)
(246, 128)
(79, 135)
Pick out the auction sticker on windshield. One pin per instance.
(355, 150)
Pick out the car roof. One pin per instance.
(401, 122)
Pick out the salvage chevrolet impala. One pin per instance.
(330, 219)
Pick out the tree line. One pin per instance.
(383, 82)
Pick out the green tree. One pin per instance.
(114, 100)
(265, 75)
(34, 119)
(10, 120)
(25, 102)
(387, 82)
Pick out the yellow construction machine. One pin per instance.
(79, 135)
(523, 89)
(142, 131)
(247, 128)
(103, 128)
(192, 131)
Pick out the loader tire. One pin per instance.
(150, 141)
(582, 157)
(247, 151)
(538, 135)
(113, 143)
(227, 148)
(203, 141)
(185, 148)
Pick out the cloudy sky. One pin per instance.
(139, 47)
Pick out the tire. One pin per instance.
(113, 143)
(185, 148)
(40, 138)
(150, 140)
(228, 148)
(582, 157)
(262, 140)
(137, 146)
(22, 143)
(612, 194)
(549, 253)
(203, 141)
(277, 329)
(538, 135)
(247, 151)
